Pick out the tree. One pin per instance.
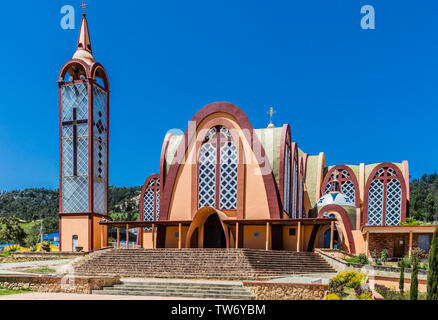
(414, 280)
(401, 284)
(11, 231)
(432, 277)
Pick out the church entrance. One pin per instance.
(327, 235)
(214, 236)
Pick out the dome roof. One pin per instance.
(335, 198)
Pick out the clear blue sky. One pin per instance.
(358, 95)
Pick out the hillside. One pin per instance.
(424, 198)
(33, 204)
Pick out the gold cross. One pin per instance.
(271, 112)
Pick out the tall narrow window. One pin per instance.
(217, 170)
(384, 198)
(294, 186)
(150, 199)
(286, 180)
(300, 202)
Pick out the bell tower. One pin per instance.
(83, 140)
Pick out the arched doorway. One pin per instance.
(327, 235)
(214, 236)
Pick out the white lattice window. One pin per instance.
(74, 100)
(286, 180)
(385, 188)
(100, 149)
(151, 201)
(346, 183)
(218, 142)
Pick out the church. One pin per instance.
(223, 183)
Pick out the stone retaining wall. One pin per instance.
(286, 291)
(70, 284)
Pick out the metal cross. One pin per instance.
(83, 6)
(74, 123)
(271, 113)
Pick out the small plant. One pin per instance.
(414, 280)
(79, 249)
(420, 254)
(384, 255)
(401, 284)
(410, 222)
(332, 296)
(363, 259)
(365, 296)
(46, 247)
(432, 277)
(375, 256)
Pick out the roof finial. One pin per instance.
(271, 113)
(83, 50)
(334, 184)
(83, 6)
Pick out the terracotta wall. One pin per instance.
(249, 239)
(74, 226)
(97, 234)
(378, 242)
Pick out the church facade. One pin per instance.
(223, 183)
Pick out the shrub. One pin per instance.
(351, 279)
(336, 286)
(420, 254)
(384, 255)
(414, 281)
(375, 256)
(365, 296)
(432, 277)
(46, 246)
(79, 249)
(363, 259)
(410, 222)
(401, 284)
(332, 296)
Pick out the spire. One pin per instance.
(83, 50)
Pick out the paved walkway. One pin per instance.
(32, 264)
(74, 296)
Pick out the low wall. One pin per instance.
(382, 275)
(70, 284)
(286, 291)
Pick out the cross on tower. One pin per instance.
(83, 6)
(74, 123)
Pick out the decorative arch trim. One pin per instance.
(353, 178)
(345, 221)
(65, 67)
(241, 118)
(403, 195)
(95, 68)
(163, 160)
(199, 219)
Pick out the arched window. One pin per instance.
(346, 181)
(217, 169)
(150, 199)
(300, 194)
(385, 194)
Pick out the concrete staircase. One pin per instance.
(196, 290)
(224, 264)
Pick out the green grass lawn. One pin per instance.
(41, 270)
(6, 292)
